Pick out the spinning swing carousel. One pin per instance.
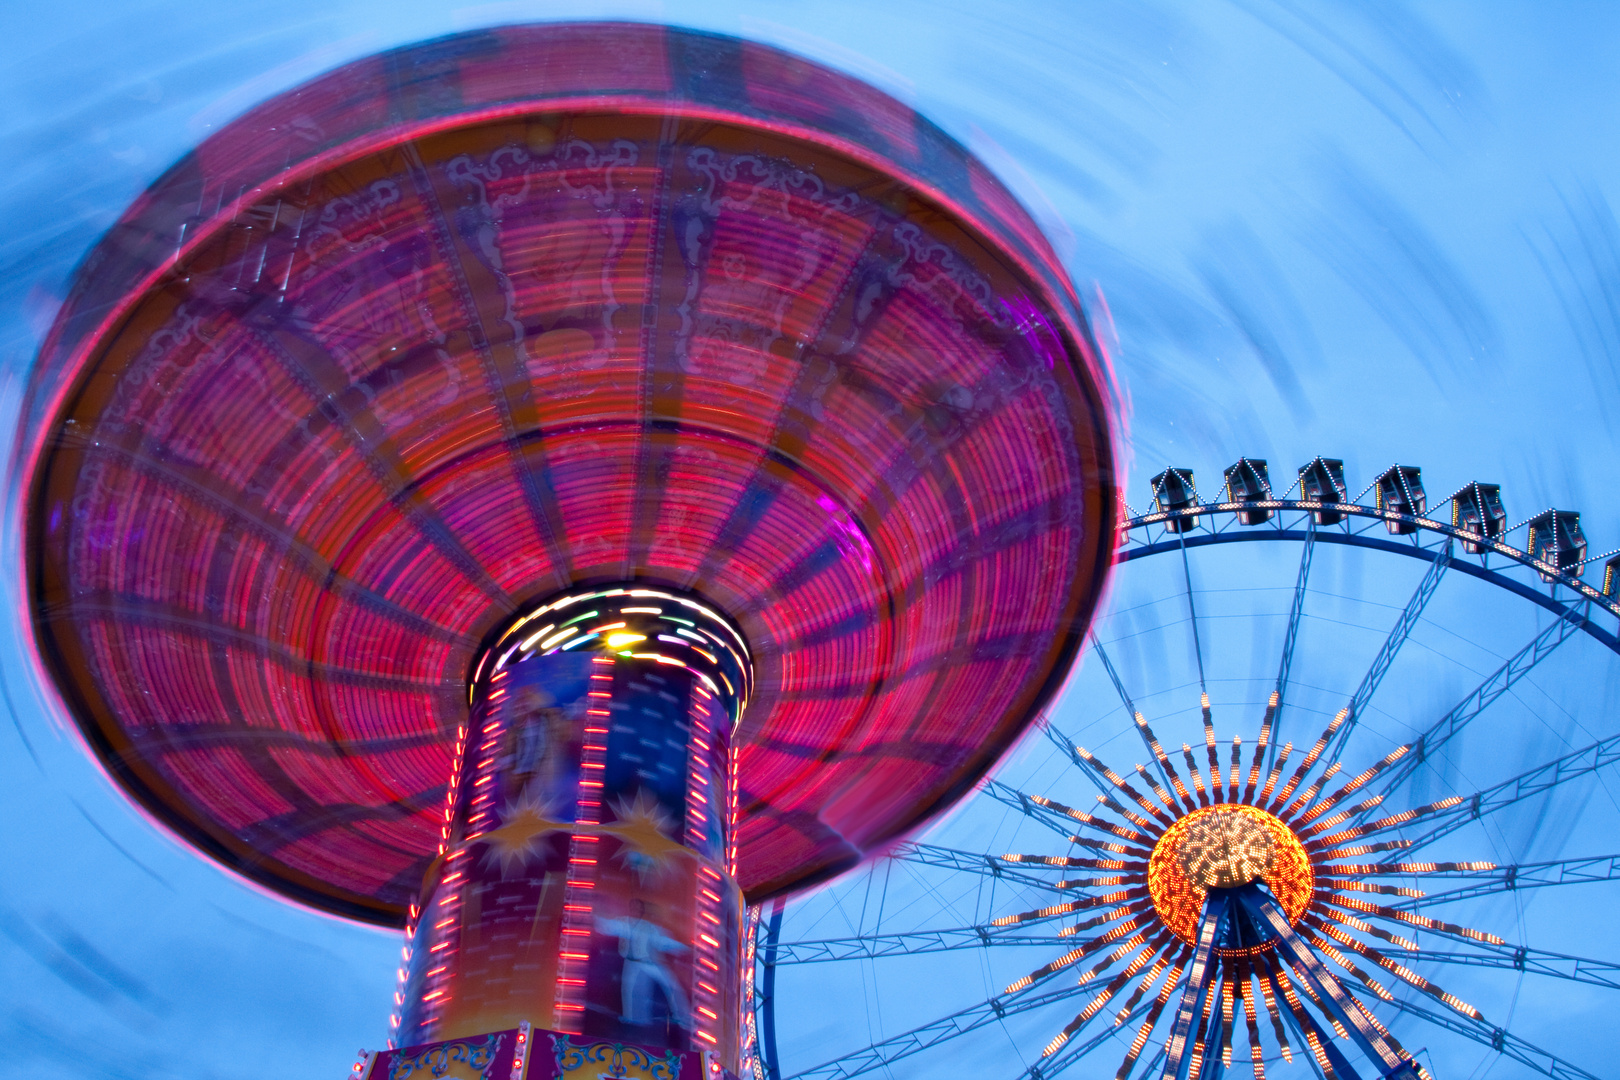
(548, 486)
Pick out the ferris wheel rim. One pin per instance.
(1427, 538)
(1431, 541)
(1570, 611)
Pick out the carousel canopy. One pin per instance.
(460, 326)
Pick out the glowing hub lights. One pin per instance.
(1252, 890)
(1224, 847)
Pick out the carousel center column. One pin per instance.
(586, 879)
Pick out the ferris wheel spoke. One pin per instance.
(1176, 957)
(1009, 930)
(1071, 751)
(1508, 957)
(1089, 947)
(1440, 869)
(1483, 696)
(1391, 648)
(1217, 789)
(1155, 811)
(1492, 879)
(1192, 617)
(1501, 1040)
(1166, 769)
(1244, 983)
(1062, 1050)
(1291, 637)
(1072, 1052)
(1107, 780)
(1294, 1016)
(1449, 815)
(1406, 918)
(1035, 807)
(1305, 766)
(1317, 929)
(1326, 947)
(880, 1055)
(1316, 820)
(1014, 868)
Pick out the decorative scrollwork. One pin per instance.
(437, 1061)
(616, 1060)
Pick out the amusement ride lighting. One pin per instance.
(1242, 884)
(1225, 846)
(667, 417)
(618, 851)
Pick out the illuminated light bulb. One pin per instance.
(1223, 847)
(528, 643)
(562, 635)
(1225, 851)
(619, 641)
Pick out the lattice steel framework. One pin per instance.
(1295, 982)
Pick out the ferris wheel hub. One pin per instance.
(1225, 847)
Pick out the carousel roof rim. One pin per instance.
(79, 335)
(122, 770)
(64, 385)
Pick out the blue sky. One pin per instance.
(1362, 229)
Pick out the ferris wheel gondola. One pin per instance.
(1285, 891)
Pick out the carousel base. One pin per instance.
(524, 1053)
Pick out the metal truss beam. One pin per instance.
(1522, 876)
(1391, 648)
(1578, 763)
(1200, 977)
(911, 943)
(1481, 698)
(1502, 1041)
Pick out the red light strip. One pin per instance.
(446, 933)
(578, 923)
(749, 1063)
(520, 1056)
(701, 802)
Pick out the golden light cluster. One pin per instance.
(1159, 841)
(1223, 847)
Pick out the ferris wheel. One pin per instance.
(1304, 803)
